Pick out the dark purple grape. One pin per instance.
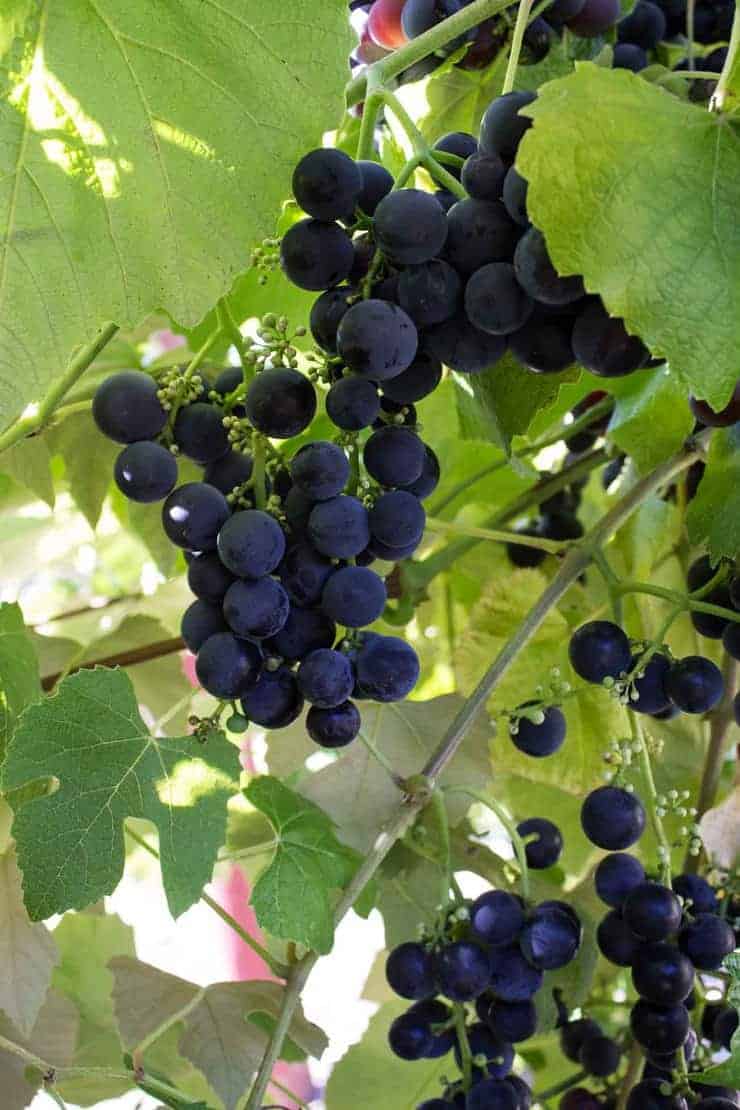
(335, 727)
(145, 472)
(540, 740)
(661, 973)
(537, 275)
(462, 347)
(208, 578)
(483, 176)
(199, 432)
(377, 339)
(320, 470)
(354, 597)
(697, 891)
(429, 293)
(200, 620)
(730, 414)
(376, 184)
(479, 232)
(659, 1028)
(495, 300)
(600, 1056)
(706, 941)
(353, 403)
(394, 456)
(387, 669)
(462, 970)
(645, 26)
(415, 382)
(612, 818)
(550, 939)
(594, 18)
(628, 56)
(409, 970)
(543, 345)
(193, 515)
(513, 1021)
(616, 876)
(304, 631)
(599, 650)
(339, 528)
(227, 667)
(513, 978)
(229, 472)
(274, 701)
(304, 573)
(127, 409)
(397, 519)
(650, 686)
(280, 402)
(652, 911)
(574, 1034)
(410, 226)
(515, 197)
(616, 940)
(694, 684)
(497, 918)
(327, 184)
(325, 678)
(502, 126)
(545, 850)
(256, 609)
(251, 544)
(603, 345)
(326, 315)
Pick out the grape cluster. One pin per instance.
(278, 562)
(479, 971)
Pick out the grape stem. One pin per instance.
(413, 802)
(436, 38)
(37, 414)
(229, 327)
(560, 1088)
(454, 527)
(683, 601)
(466, 1059)
(664, 848)
(420, 146)
(634, 1067)
(278, 969)
(522, 19)
(723, 91)
(507, 821)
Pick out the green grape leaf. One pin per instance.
(143, 191)
(651, 419)
(220, 1026)
(591, 714)
(88, 462)
(27, 952)
(611, 215)
(356, 791)
(19, 671)
(29, 463)
(727, 1074)
(86, 943)
(292, 896)
(90, 737)
(502, 401)
(409, 891)
(53, 1038)
(713, 517)
(386, 1082)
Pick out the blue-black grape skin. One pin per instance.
(376, 183)
(127, 409)
(544, 739)
(200, 620)
(335, 727)
(409, 970)
(462, 970)
(503, 127)
(415, 382)
(645, 26)
(326, 315)
(495, 301)
(354, 597)
(661, 973)
(193, 515)
(612, 818)
(650, 687)
(497, 917)
(325, 678)
(280, 402)
(327, 184)
(463, 347)
(316, 255)
(377, 339)
(483, 176)
(304, 631)
(199, 432)
(545, 850)
(603, 345)
(410, 226)
(428, 480)
(479, 232)
(256, 609)
(251, 544)
(707, 940)
(513, 1021)
(208, 578)
(430, 293)
(544, 343)
(599, 650)
(515, 197)
(145, 472)
(226, 666)
(339, 528)
(659, 1028)
(616, 940)
(694, 684)
(394, 456)
(387, 668)
(594, 18)
(697, 891)
(513, 978)
(397, 519)
(628, 56)
(353, 403)
(549, 939)
(229, 471)
(320, 470)
(275, 700)
(616, 876)
(537, 275)
(304, 573)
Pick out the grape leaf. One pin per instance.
(141, 191)
(386, 1082)
(292, 896)
(27, 952)
(19, 671)
(359, 795)
(502, 401)
(91, 738)
(29, 463)
(713, 517)
(720, 831)
(409, 889)
(52, 1038)
(219, 1033)
(88, 462)
(651, 419)
(86, 942)
(607, 196)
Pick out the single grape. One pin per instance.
(354, 597)
(193, 515)
(538, 38)
(397, 519)
(694, 684)
(320, 470)
(537, 275)
(304, 631)
(335, 727)
(650, 1094)
(445, 198)
(628, 56)
(199, 432)
(387, 669)
(256, 609)
(594, 18)
(280, 402)
(339, 528)
(479, 232)
(730, 639)
(730, 414)
(725, 1026)
(377, 550)
(325, 678)
(515, 197)
(409, 970)
(229, 472)
(227, 667)
(574, 1034)
(327, 184)
(697, 891)
(304, 573)
(612, 818)
(603, 345)
(645, 26)
(377, 339)
(353, 403)
(543, 345)
(497, 918)
(542, 739)
(208, 578)
(616, 940)
(652, 911)
(460, 143)
(483, 176)
(547, 847)
(650, 686)
(519, 554)
(707, 940)
(377, 182)
(251, 544)
(127, 409)
(410, 226)
(560, 11)
(462, 347)
(599, 650)
(513, 1021)
(227, 381)
(145, 471)
(432, 1011)
(316, 255)
(483, 1043)
(616, 876)
(513, 978)
(600, 1056)
(495, 300)
(297, 508)
(659, 1028)
(430, 293)
(394, 456)
(492, 1094)
(550, 939)
(200, 620)
(384, 23)
(415, 382)
(462, 970)
(326, 314)
(409, 1037)
(503, 127)
(275, 700)
(661, 973)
